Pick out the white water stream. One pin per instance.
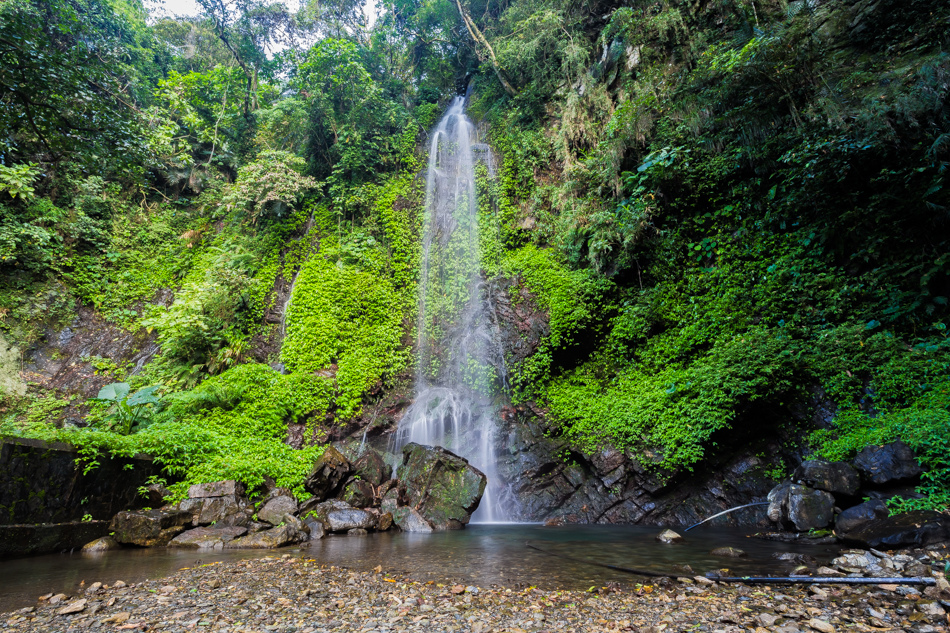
(460, 364)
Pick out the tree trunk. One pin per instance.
(479, 38)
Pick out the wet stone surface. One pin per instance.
(296, 594)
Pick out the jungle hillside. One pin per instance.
(732, 216)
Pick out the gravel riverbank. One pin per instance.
(292, 593)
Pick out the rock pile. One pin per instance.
(823, 494)
(435, 490)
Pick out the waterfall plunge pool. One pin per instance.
(482, 554)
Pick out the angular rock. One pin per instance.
(918, 529)
(150, 528)
(276, 509)
(371, 468)
(315, 528)
(443, 487)
(339, 516)
(329, 473)
(359, 494)
(800, 507)
(228, 488)
(207, 537)
(73, 607)
(286, 534)
(884, 464)
(856, 517)
(104, 544)
(838, 478)
(409, 520)
(669, 536)
(384, 522)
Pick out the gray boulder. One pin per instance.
(148, 528)
(216, 502)
(800, 507)
(339, 516)
(274, 510)
(286, 534)
(207, 537)
(885, 464)
(359, 493)
(859, 516)
(441, 486)
(838, 478)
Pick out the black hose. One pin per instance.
(823, 580)
(748, 505)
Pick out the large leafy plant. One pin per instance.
(130, 411)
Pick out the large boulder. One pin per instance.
(329, 473)
(441, 486)
(889, 463)
(409, 520)
(339, 516)
(287, 534)
(857, 517)
(371, 468)
(216, 502)
(148, 528)
(207, 537)
(277, 508)
(912, 529)
(838, 478)
(800, 507)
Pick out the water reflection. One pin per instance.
(482, 555)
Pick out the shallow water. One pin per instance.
(481, 554)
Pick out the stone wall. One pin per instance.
(41, 483)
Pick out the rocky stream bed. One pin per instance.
(295, 593)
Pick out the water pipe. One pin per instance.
(748, 505)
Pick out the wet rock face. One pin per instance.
(857, 517)
(286, 534)
(892, 462)
(149, 528)
(919, 528)
(838, 478)
(329, 474)
(548, 481)
(441, 486)
(803, 508)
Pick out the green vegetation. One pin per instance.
(726, 212)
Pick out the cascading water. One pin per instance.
(460, 366)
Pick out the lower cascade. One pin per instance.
(460, 366)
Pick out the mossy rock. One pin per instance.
(441, 486)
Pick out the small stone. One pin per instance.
(728, 552)
(669, 536)
(104, 544)
(57, 598)
(118, 618)
(820, 625)
(94, 587)
(766, 619)
(118, 584)
(829, 572)
(73, 607)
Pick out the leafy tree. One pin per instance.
(64, 84)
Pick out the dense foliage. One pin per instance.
(730, 213)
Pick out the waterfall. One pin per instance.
(460, 367)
